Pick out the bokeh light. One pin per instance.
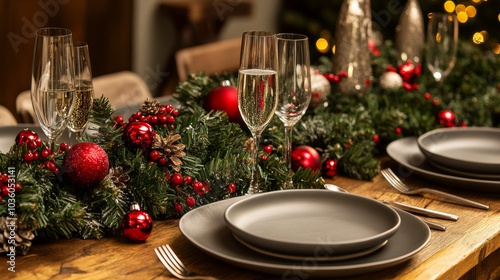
(449, 6)
(485, 34)
(478, 38)
(476, 1)
(460, 8)
(322, 45)
(333, 49)
(496, 49)
(462, 17)
(471, 11)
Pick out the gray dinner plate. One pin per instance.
(8, 135)
(406, 152)
(311, 221)
(469, 149)
(206, 228)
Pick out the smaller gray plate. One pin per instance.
(469, 149)
(405, 151)
(305, 222)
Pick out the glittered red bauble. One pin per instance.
(26, 136)
(224, 98)
(447, 118)
(330, 168)
(137, 224)
(85, 165)
(139, 135)
(305, 156)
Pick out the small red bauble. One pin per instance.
(26, 136)
(178, 207)
(330, 168)
(268, 149)
(85, 165)
(306, 157)
(28, 156)
(447, 118)
(176, 180)
(137, 224)
(139, 135)
(231, 187)
(154, 155)
(224, 98)
(190, 201)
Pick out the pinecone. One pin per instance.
(118, 177)
(172, 152)
(23, 235)
(249, 146)
(150, 107)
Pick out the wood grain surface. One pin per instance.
(468, 249)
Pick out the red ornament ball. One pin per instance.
(85, 165)
(306, 157)
(330, 168)
(447, 118)
(137, 224)
(224, 98)
(26, 136)
(139, 135)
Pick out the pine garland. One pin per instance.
(346, 131)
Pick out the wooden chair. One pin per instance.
(6, 117)
(121, 88)
(210, 58)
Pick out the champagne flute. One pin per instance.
(442, 39)
(294, 86)
(257, 95)
(84, 90)
(52, 82)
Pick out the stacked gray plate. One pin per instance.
(469, 151)
(300, 223)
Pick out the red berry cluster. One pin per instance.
(6, 184)
(408, 73)
(335, 79)
(198, 187)
(165, 117)
(155, 156)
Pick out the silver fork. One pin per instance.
(170, 260)
(396, 183)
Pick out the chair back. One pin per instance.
(210, 58)
(6, 117)
(121, 88)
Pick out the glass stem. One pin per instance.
(288, 154)
(52, 145)
(78, 136)
(254, 182)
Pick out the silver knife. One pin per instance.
(422, 211)
(433, 225)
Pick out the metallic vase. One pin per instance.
(410, 33)
(352, 54)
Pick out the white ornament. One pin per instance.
(391, 80)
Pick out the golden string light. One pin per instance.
(449, 6)
(322, 45)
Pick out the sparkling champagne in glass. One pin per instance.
(257, 95)
(52, 83)
(84, 90)
(294, 86)
(442, 40)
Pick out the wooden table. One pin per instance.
(468, 249)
